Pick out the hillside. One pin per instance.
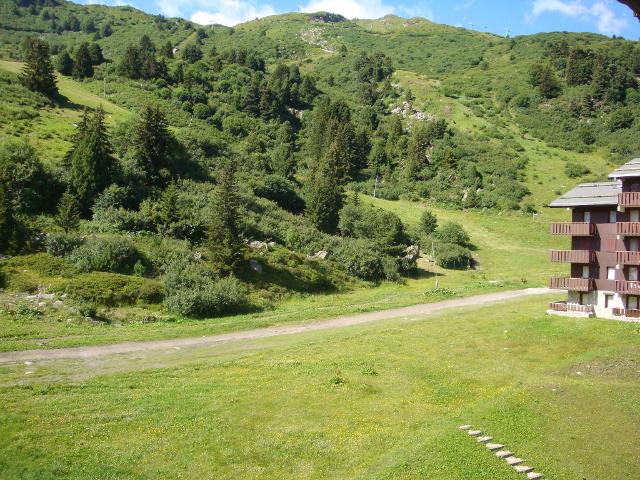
(279, 130)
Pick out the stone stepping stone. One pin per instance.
(534, 475)
(484, 439)
(474, 433)
(514, 461)
(523, 469)
(494, 446)
(504, 454)
(464, 427)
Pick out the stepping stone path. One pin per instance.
(507, 455)
(523, 469)
(494, 446)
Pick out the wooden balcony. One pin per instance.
(573, 256)
(629, 199)
(573, 284)
(629, 229)
(626, 312)
(628, 287)
(571, 307)
(576, 229)
(628, 258)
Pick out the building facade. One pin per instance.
(604, 260)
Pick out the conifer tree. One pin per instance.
(223, 240)
(325, 193)
(64, 63)
(9, 226)
(152, 142)
(37, 73)
(91, 164)
(548, 85)
(68, 215)
(282, 160)
(82, 64)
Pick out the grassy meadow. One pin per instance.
(381, 401)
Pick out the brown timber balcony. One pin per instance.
(576, 229)
(626, 312)
(629, 287)
(628, 258)
(573, 284)
(629, 199)
(573, 256)
(630, 229)
(571, 307)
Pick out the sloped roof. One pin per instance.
(629, 169)
(590, 194)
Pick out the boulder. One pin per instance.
(322, 254)
(255, 266)
(258, 245)
(412, 253)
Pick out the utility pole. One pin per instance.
(433, 256)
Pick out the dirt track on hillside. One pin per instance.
(338, 322)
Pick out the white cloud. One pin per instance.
(606, 20)
(225, 12)
(350, 8)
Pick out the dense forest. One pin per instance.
(233, 171)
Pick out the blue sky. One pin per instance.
(518, 16)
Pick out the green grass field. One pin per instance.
(377, 401)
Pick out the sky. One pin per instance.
(514, 17)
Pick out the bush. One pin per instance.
(41, 263)
(360, 260)
(103, 288)
(62, 244)
(451, 255)
(575, 170)
(621, 118)
(195, 292)
(452, 233)
(281, 191)
(106, 254)
(3, 278)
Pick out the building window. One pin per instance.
(632, 302)
(608, 300)
(585, 271)
(633, 244)
(587, 217)
(634, 215)
(612, 216)
(632, 274)
(611, 273)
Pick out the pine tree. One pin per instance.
(223, 240)
(282, 160)
(152, 142)
(130, 65)
(325, 193)
(91, 164)
(9, 227)
(548, 85)
(38, 74)
(95, 53)
(64, 63)
(82, 65)
(68, 215)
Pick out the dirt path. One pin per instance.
(344, 321)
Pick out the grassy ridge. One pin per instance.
(375, 401)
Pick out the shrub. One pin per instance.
(281, 191)
(102, 288)
(62, 244)
(360, 260)
(428, 222)
(169, 255)
(452, 233)
(451, 255)
(194, 292)
(3, 278)
(620, 118)
(106, 254)
(41, 263)
(575, 170)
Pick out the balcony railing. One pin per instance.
(629, 199)
(573, 284)
(573, 256)
(571, 307)
(576, 229)
(628, 258)
(629, 287)
(630, 229)
(626, 312)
